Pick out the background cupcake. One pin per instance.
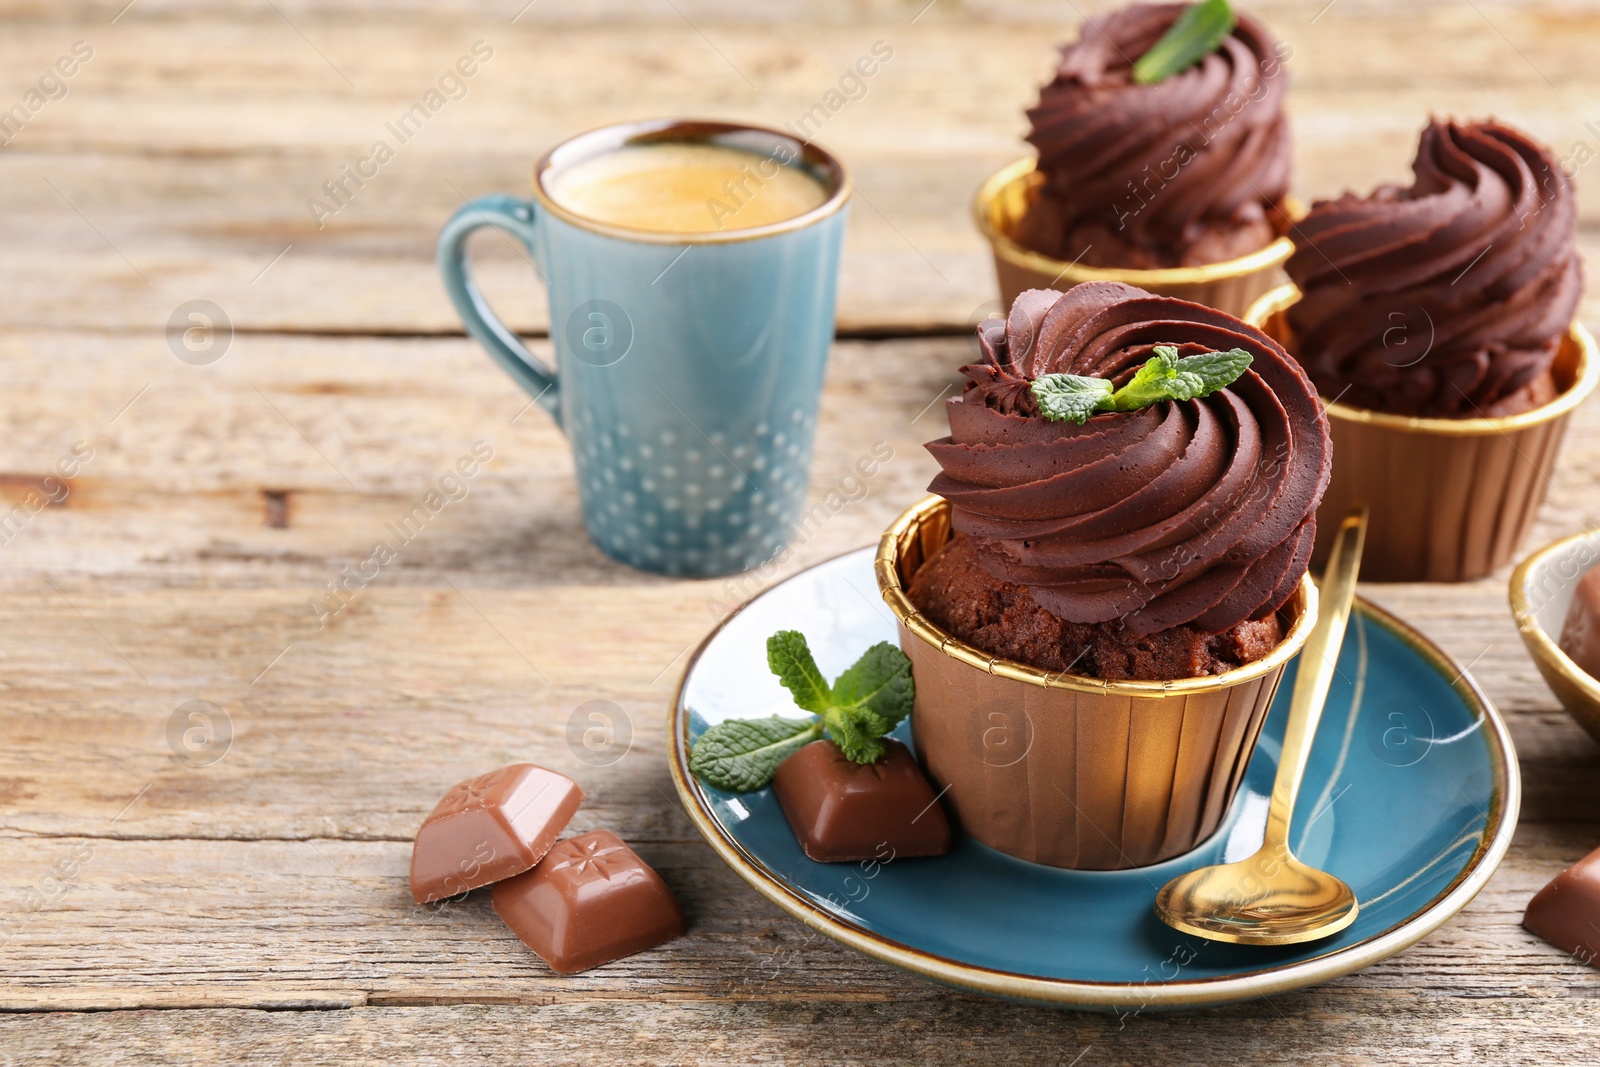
(1448, 298)
(1123, 577)
(1182, 180)
(1188, 171)
(1437, 319)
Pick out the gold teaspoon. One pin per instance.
(1271, 898)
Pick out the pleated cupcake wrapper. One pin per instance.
(1231, 286)
(1450, 499)
(1072, 771)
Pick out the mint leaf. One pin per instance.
(880, 682)
(1212, 370)
(869, 700)
(790, 659)
(858, 732)
(1195, 35)
(1151, 383)
(1070, 397)
(866, 702)
(743, 754)
(1166, 377)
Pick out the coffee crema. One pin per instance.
(680, 187)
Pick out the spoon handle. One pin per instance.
(1318, 662)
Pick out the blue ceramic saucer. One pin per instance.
(1411, 797)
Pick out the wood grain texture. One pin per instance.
(252, 907)
(1310, 1027)
(292, 847)
(181, 162)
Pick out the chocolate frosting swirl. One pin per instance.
(1200, 512)
(1160, 163)
(1448, 298)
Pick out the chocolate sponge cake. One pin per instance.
(956, 592)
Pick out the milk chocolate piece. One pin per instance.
(843, 811)
(1566, 912)
(590, 901)
(1580, 634)
(491, 827)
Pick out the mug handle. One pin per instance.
(518, 218)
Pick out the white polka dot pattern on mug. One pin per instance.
(678, 501)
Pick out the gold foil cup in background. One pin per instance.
(1230, 286)
(1450, 499)
(1066, 770)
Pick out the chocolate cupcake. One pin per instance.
(1180, 185)
(1437, 320)
(1145, 533)
(1189, 171)
(1122, 593)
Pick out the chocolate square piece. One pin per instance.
(1566, 912)
(590, 901)
(844, 811)
(491, 827)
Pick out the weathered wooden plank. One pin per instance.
(355, 732)
(220, 499)
(166, 584)
(352, 429)
(165, 175)
(164, 545)
(355, 431)
(1336, 1024)
(275, 923)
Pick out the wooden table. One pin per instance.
(242, 895)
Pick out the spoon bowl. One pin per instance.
(1265, 899)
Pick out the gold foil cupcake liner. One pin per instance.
(1231, 286)
(1450, 499)
(1066, 770)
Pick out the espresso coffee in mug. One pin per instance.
(690, 268)
(683, 187)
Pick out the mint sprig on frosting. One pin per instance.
(1195, 35)
(1165, 376)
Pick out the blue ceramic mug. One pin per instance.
(688, 365)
